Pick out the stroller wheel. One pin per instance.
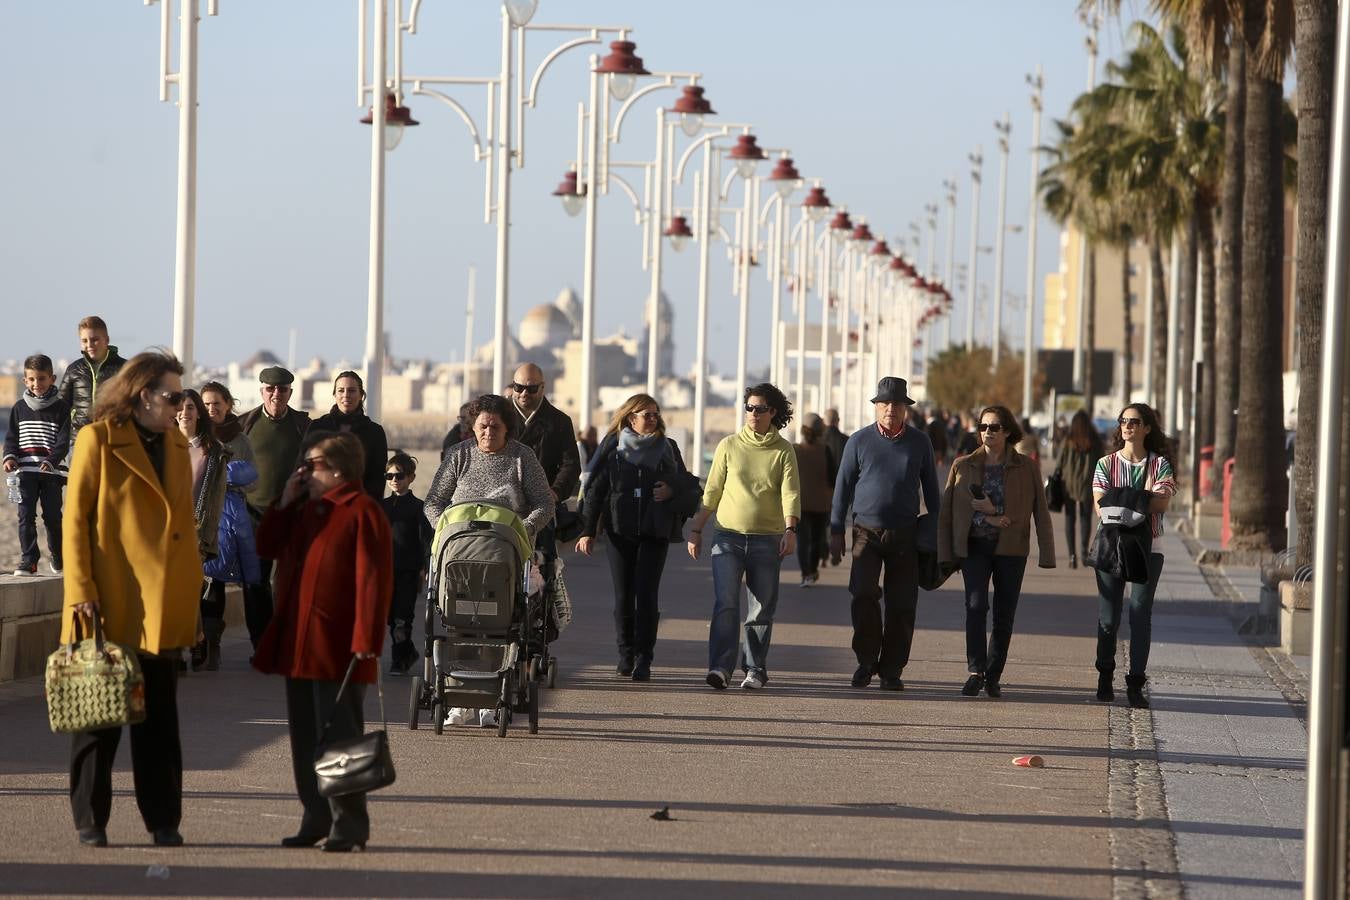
(415, 702)
(552, 673)
(534, 707)
(503, 720)
(438, 715)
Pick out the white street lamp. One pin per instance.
(1038, 86)
(1004, 129)
(976, 162)
(520, 11)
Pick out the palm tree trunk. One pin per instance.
(1315, 37)
(1090, 330)
(1190, 255)
(1204, 404)
(1159, 335)
(1228, 325)
(1259, 483)
(1127, 352)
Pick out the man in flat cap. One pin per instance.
(275, 431)
(883, 469)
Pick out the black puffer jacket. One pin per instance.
(79, 386)
(619, 495)
(372, 439)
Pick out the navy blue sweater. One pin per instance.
(881, 478)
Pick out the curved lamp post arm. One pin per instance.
(479, 153)
(667, 82)
(720, 130)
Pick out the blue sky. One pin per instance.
(881, 100)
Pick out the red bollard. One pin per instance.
(1226, 535)
(1206, 464)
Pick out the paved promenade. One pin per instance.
(807, 788)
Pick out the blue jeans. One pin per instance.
(40, 488)
(1110, 600)
(752, 558)
(980, 565)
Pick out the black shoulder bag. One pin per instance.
(357, 764)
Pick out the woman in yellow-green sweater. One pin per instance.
(754, 489)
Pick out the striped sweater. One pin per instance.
(39, 432)
(1152, 474)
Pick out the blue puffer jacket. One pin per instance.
(237, 559)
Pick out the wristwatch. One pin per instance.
(791, 528)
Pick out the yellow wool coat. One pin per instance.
(130, 542)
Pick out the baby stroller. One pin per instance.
(478, 587)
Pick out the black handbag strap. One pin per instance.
(346, 679)
(77, 632)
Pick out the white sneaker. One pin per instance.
(487, 718)
(753, 681)
(23, 571)
(457, 715)
(806, 582)
(53, 568)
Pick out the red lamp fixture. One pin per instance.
(679, 232)
(746, 154)
(785, 177)
(880, 249)
(622, 66)
(841, 224)
(692, 107)
(571, 193)
(861, 234)
(396, 118)
(816, 204)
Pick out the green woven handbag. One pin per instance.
(93, 684)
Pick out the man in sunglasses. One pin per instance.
(881, 474)
(549, 432)
(275, 432)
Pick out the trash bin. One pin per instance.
(1206, 466)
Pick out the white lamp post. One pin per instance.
(1037, 83)
(1004, 129)
(949, 275)
(976, 162)
(185, 236)
(785, 179)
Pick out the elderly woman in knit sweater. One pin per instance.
(499, 469)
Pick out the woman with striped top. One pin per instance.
(1140, 461)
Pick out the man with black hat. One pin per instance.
(883, 469)
(276, 432)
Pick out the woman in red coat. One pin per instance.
(335, 578)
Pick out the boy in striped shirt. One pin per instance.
(35, 448)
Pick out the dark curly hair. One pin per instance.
(782, 407)
(1156, 441)
(498, 406)
(405, 461)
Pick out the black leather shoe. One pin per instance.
(642, 670)
(891, 684)
(862, 677)
(972, 686)
(625, 666)
(303, 840)
(342, 845)
(167, 837)
(1105, 692)
(993, 690)
(93, 837)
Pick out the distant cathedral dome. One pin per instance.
(546, 326)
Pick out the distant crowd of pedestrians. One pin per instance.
(171, 494)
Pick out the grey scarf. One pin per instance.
(37, 404)
(644, 450)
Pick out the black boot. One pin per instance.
(1105, 692)
(1073, 560)
(198, 655)
(213, 629)
(1134, 691)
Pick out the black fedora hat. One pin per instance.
(893, 390)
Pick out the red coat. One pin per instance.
(335, 580)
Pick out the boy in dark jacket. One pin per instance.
(412, 552)
(97, 363)
(35, 451)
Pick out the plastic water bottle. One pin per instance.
(12, 486)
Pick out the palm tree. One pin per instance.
(1228, 327)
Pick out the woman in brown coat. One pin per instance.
(335, 580)
(992, 497)
(130, 548)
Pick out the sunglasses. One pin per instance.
(394, 476)
(757, 410)
(276, 389)
(525, 388)
(173, 398)
(314, 462)
(1131, 422)
(649, 416)
(991, 427)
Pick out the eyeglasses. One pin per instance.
(173, 398)
(276, 389)
(649, 416)
(526, 388)
(1131, 422)
(757, 410)
(394, 476)
(991, 427)
(314, 462)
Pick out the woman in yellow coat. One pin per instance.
(130, 547)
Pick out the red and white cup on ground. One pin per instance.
(1029, 762)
